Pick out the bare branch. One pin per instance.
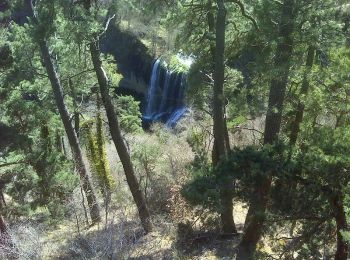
(249, 129)
(245, 14)
(107, 25)
(12, 163)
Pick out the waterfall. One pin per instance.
(153, 89)
(166, 96)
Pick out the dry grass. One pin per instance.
(120, 236)
(23, 241)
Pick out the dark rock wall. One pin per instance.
(132, 57)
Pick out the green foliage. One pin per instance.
(154, 181)
(178, 62)
(129, 114)
(199, 140)
(243, 166)
(111, 69)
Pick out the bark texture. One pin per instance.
(3, 228)
(342, 225)
(72, 137)
(118, 139)
(295, 128)
(258, 203)
(221, 142)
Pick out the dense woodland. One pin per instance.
(174, 129)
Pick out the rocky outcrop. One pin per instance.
(132, 57)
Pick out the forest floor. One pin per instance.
(125, 240)
(119, 235)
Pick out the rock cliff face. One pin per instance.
(133, 60)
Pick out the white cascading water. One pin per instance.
(152, 89)
(166, 94)
(164, 100)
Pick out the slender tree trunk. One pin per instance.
(75, 106)
(64, 147)
(211, 27)
(100, 141)
(295, 128)
(72, 137)
(59, 143)
(118, 139)
(288, 185)
(39, 164)
(342, 225)
(221, 147)
(337, 204)
(258, 203)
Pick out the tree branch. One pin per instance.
(244, 13)
(249, 129)
(107, 25)
(12, 163)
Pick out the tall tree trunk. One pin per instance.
(118, 139)
(258, 203)
(102, 156)
(72, 137)
(288, 185)
(336, 202)
(39, 163)
(211, 28)
(221, 147)
(295, 128)
(342, 225)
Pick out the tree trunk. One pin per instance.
(221, 147)
(118, 139)
(76, 115)
(3, 228)
(5, 238)
(288, 185)
(342, 225)
(72, 137)
(258, 203)
(211, 28)
(295, 128)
